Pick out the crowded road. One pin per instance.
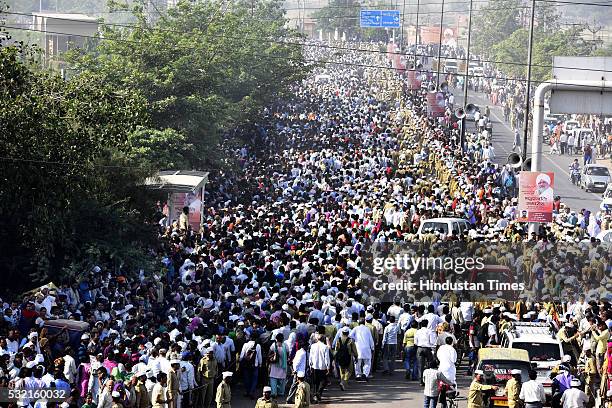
(503, 137)
(276, 292)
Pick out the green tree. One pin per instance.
(72, 164)
(512, 52)
(203, 67)
(495, 22)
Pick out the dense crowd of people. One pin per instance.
(268, 293)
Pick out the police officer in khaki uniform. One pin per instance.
(302, 395)
(173, 384)
(590, 374)
(207, 370)
(476, 388)
(224, 392)
(143, 399)
(513, 389)
(266, 401)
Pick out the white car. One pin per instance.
(545, 351)
(570, 125)
(446, 226)
(605, 236)
(606, 203)
(594, 177)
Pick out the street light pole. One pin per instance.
(528, 91)
(440, 47)
(416, 33)
(402, 29)
(465, 78)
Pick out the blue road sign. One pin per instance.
(390, 19)
(370, 18)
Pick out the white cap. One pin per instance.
(515, 372)
(227, 374)
(116, 394)
(575, 382)
(85, 336)
(479, 372)
(267, 389)
(301, 374)
(566, 358)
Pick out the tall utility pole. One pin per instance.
(416, 33)
(465, 78)
(402, 29)
(528, 91)
(440, 47)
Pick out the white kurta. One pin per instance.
(448, 357)
(363, 341)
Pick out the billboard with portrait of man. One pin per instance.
(536, 196)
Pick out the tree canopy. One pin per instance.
(150, 97)
(204, 67)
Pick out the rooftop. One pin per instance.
(66, 16)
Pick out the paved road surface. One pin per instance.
(502, 141)
(382, 392)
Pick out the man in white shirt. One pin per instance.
(532, 392)
(164, 363)
(433, 319)
(389, 344)
(250, 361)
(299, 365)
(365, 347)
(447, 355)
(425, 340)
(187, 379)
(574, 397)
(70, 369)
(320, 365)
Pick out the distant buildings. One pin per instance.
(62, 32)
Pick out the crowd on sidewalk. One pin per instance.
(268, 292)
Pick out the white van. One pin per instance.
(545, 351)
(446, 226)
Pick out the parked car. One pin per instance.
(446, 226)
(570, 125)
(606, 203)
(594, 177)
(605, 236)
(470, 116)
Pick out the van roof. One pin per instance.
(499, 353)
(530, 332)
(445, 219)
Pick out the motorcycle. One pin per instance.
(574, 175)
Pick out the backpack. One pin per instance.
(248, 361)
(483, 334)
(343, 356)
(273, 356)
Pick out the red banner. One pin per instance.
(436, 104)
(536, 196)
